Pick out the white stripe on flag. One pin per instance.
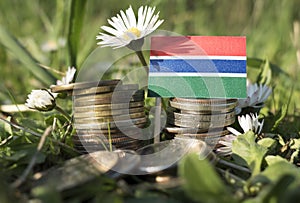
(166, 74)
(199, 57)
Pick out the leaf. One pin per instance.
(280, 116)
(278, 181)
(274, 192)
(258, 63)
(266, 142)
(50, 119)
(25, 57)
(270, 159)
(46, 194)
(265, 75)
(247, 152)
(7, 127)
(202, 182)
(75, 26)
(276, 170)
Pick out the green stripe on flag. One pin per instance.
(197, 87)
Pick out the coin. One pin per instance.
(106, 125)
(210, 134)
(125, 130)
(101, 113)
(197, 124)
(85, 140)
(97, 128)
(200, 117)
(82, 85)
(91, 146)
(117, 94)
(109, 107)
(133, 135)
(106, 89)
(210, 102)
(177, 130)
(84, 103)
(78, 171)
(109, 116)
(208, 108)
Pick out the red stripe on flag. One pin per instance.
(198, 45)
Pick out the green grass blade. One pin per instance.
(11, 43)
(75, 26)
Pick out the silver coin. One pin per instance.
(197, 124)
(110, 113)
(201, 117)
(210, 134)
(97, 128)
(206, 108)
(106, 125)
(79, 170)
(205, 102)
(125, 130)
(105, 89)
(84, 103)
(82, 85)
(108, 107)
(111, 95)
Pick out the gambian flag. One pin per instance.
(198, 67)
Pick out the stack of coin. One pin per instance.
(204, 119)
(107, 114)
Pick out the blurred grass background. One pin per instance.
(270, 27)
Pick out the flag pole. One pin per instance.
(157, 119)
(156, 130)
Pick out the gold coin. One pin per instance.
(82, 85)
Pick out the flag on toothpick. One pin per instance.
(198, 67)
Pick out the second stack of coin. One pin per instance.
(204, 119)
(107, 115)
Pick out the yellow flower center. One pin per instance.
(134, 31)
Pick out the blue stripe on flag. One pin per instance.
(198, 65)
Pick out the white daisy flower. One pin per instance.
(247, 123)
(257, 95)
(128, 31)
(68, 77)
(41, 100)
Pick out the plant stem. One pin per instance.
(143, 61)
(16, 126)
(59, 109)
(227, 163)
(24, 175)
